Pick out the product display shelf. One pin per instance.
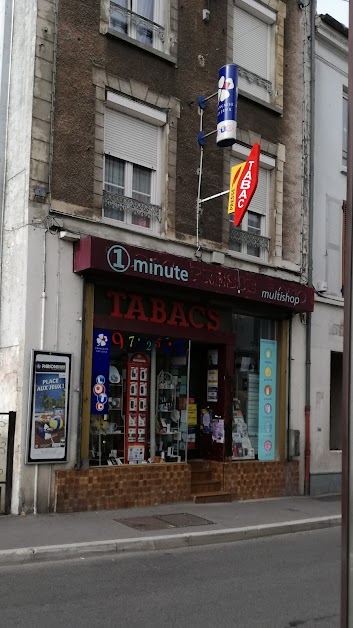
(168, 418)
(108, 431)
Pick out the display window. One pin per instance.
(213, 394)
(255, 399)
(141, 415)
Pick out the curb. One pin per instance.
(44, 553)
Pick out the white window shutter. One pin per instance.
(130, 139)
(259, 202)
(333, 245)
(251, 43)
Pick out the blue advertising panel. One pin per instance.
(267, 399)
(100, 371)
(227, 105)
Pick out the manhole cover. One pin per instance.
(145, 523)
(164, 522)
(184, 520)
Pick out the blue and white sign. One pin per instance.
(267, 399)
(100, 371)
(227, 105)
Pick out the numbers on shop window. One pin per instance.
(149, 345)
(118, 340)
(158, 343)
(131, 339)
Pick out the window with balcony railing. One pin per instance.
(141, 20)
(132, 144)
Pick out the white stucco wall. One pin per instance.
(329, 181)
(327, 330)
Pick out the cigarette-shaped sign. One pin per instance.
(243, 184)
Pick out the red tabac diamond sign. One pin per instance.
(243, 184)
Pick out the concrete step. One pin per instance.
(212, 498)
(205, 486)
(199, 465)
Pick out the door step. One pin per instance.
(205, 486)
(212, 498)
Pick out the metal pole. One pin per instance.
(198, 204)
(347, 402)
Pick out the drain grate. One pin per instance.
(164, 522)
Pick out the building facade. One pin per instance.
(185, 336)
(331, 95)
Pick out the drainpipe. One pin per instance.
(310, 255)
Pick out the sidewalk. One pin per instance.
(58, 536)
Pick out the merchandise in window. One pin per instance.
(144, 413)
(255, 395)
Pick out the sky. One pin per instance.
(337, 8)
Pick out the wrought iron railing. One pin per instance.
(255, 78)
(239, 236)
(143, 25)
(115, 204)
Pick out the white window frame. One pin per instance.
(139, 110)
(268, 164)
(269, 17)
(159, 17)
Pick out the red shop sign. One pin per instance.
(155, 310)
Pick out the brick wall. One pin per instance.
(147, 485)
(122, 487)
(255, 479)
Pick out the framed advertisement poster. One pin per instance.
(48, 407)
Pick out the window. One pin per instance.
(336, 401)
(132, 155)
(250, 237)
(139, 19)
(254, 48)
(345, 127)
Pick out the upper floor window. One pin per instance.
(345, 127)
(142, 20)
(254, 48)
(251, 237)
(132, 163)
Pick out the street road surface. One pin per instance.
(281, 582)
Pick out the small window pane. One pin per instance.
(254, 226)
(233, 246)
(141, 191)
(144, 34)
(119, 19)
(114, 183)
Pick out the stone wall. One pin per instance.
(105, 488)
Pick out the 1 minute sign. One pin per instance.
(243, 184)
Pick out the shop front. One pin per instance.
(183, 362)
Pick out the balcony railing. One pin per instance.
(115, 204)
(121, 18)
(255, 78)
(238, 236)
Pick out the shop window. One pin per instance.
(254, 48)
(255, 391)
(140, 20)
(144, 413)
(336, 401)
(250, 238)
(132, 145)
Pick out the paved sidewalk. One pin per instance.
(45, 537)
